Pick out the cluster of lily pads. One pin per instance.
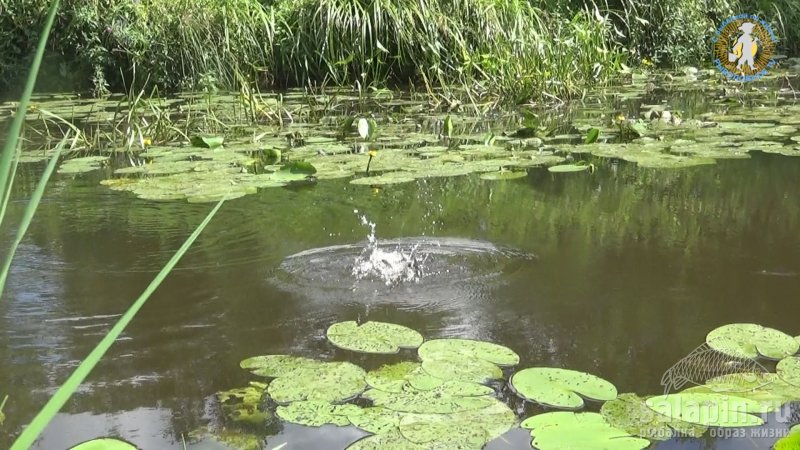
(449, 395)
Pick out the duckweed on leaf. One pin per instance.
(316, 413)
(585, 431)
(560, 387)
(751, 340)
(373, 337)
(714, 410)
(629, 412)
(326, 382)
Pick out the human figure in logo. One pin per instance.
(746, 47)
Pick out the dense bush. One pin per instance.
(518, 48)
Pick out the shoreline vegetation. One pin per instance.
(516, 50)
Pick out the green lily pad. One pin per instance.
(467, 349)
(503, 175)
(560, 387)
(105, 443)
(207, 141)
(243, 405)
(389, 178)
(789, 442)
(317, 414)
(592, 135)
(373, 337)
(326, 382)
(300, 167)
(434, 401)
(750, 340)
(768, 389)
(585, 431)
(273, 366)
(397, 377)
(81, 165)
(629, 412)
(376, 419)
(466, 429)
(713, 410)
(568, 168)
(789, 370)
(392, 440)
(461, 368)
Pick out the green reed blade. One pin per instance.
(30, 210)
(7, 195)
(16, 127)
(49, 410)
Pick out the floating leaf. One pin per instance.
(316, 413)
(717, 410)
(273, 366)
(327, 382)
(750, 340)
(789, 370)
(456, 367)
(104, 444)
(560, 387)
(207, 141)
(568, 168)
(300, 167)
(468, 348)
(585, 431)
(448, 127)
(389, 178)
(373, 337)
(376, 420)
(592, 135)
(466, 429)
(434, 401)
(768, 389)
(392, 440)
(789, 442)
(243, 405)
(81, 165)
(397, 377)
(503, 175)
(629, 412)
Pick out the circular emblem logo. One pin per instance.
(744, 47)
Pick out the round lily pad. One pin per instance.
(389, 178)
(567, 168)
(749, 340)
(560, 387)
(468, 348)
(434, 401)
(316, 413)
(373, 337)
(586, 431)
(503, 175)
(327, 382)
(376, 420)
(104, 444)
(789, 370)
(392, 440)
(466, 429)
(273, 366)
(713, 410)
(629, 412)
(396, 377)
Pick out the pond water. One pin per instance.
(620, 273)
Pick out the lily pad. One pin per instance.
(273, 366)
(560, 387)
(768, 389)
(326, 382)
(467, 429)
(789, 370)
(207, 141)
(592, 135)
(376, 419)
(392, 440)
(434, 401)
(713, 410)
(468, 348)
(568, 168)
(629, 412)
(789, 442)
(81, 165)
(585, 431)
(243, 405)
(373, 337)
(389, 178)
(750, 340)
(105, 443)
(462, 368)
(316, 413)
(503, 175)
(397, 377)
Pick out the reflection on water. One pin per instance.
(633, 267)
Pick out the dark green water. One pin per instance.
(633, 267)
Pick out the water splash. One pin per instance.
(391, 266)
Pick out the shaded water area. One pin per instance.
(620, 272)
